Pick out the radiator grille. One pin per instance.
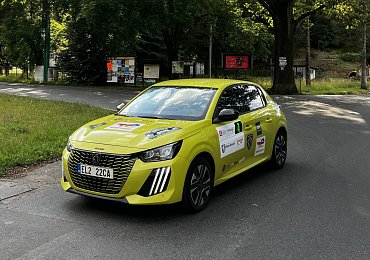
(121, 164)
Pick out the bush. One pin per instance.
(351, 57)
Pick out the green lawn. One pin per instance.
(16, 79)
(333, 87)
(321, 87)
(33, 130)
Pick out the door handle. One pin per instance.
(269, 120)
(248, 127)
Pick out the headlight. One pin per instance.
(69, 145)
(162, 153)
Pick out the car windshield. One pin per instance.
(176, 103)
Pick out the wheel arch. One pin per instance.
(284, 130)
(185, 196)
(209, 158)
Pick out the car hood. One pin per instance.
(137, 134)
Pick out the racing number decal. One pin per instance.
(238, 127)
(231, 138)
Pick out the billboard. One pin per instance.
(240, 62)
(121, 70)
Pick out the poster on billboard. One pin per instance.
(151, 71)
(177, 67)
(238, 62)
(121, 70)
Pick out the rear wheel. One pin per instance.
(198, 185)
(279, 151)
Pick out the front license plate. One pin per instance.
(90, 170)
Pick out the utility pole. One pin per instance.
(46, 8)
(210, 50)
(308, 53)
(364, 63)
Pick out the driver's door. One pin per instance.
(231, 135)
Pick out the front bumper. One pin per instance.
(138, 180)
(71, 190)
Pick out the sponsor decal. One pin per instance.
(232, 145)
(229, 130)
(232, 164)
(96, 126)
(260, 145)
(259, 128)
(226, 131)
(161, 131)
(231, 138)
(249, 141)
(123, 126)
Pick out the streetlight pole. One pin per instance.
(46, 8)
(210, 50)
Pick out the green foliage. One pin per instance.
(20, 32)
(85, 33)
(251, 30)
(351, 57)
(34, 130)
(98, 30)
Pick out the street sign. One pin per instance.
(283, 62)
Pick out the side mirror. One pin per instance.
(120, 106)
(228, 115)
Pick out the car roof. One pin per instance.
(202, 83)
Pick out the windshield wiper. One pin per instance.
(126, 115)
(154, 117)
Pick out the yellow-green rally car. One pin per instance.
(174, 142)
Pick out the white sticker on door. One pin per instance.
(231, 138)
(260, 145)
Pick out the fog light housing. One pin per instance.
(64, 178)
(157, 182)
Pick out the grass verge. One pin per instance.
(33, 130)
(333, 87)
(321, 87)
(17, 79)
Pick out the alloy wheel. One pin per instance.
(200, 185)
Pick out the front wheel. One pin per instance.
(198, 185)
(279, 151)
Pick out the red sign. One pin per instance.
(237, 62)
(109, 65)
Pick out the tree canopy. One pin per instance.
(85, 33)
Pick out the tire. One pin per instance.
(198, 185)
(279, 151)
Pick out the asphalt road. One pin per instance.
(106, 97)
(317, 207)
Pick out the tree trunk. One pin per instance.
(7, 69)
(308, 54)
(364, 67)
(284, 81)
(172, 48)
